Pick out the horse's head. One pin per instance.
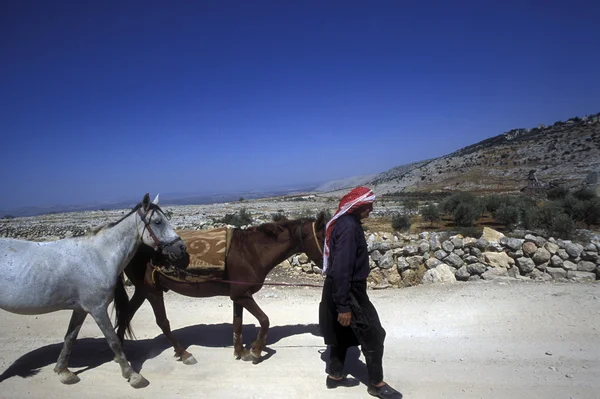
(156, 231)
(312, 234)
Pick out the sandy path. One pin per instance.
(475, 340)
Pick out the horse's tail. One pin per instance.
(121, 305)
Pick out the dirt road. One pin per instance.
(472, 340)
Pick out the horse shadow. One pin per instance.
(89, 353)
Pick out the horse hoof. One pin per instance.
(68, 378)
(189, 359)
(256, 359)
(137, 381)
(247, 356)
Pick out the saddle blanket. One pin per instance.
(208, 253)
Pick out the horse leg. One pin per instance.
(65, 375)
(160, 313)
(239, 352)
(252, 307)
(101, 317)
(136, 301)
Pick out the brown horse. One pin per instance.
(252, 254)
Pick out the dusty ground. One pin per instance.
(475, 340)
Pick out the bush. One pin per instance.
(492, 203)
(277, 217)
(401, 222)
(588, 212)
(531, 217)
(410, 205)
(465, 214)
(557, 193)
(561, 226)
(451, 203)
(584, 194)
(430, 213)
(508, 215)
(238, 219)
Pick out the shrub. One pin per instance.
(561, 226)
(492, 203)
(276, 217)
(451, 203)
(530, 217)
(401, 222)
(238, 219)
(588, 212)
(557, 193)
(584, 194)
(410, 205)
(431, 213)
(465, 214)
(508, 215)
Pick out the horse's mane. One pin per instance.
(92, 231)
(272, 229)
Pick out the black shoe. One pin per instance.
(344, 382)
(384, 392)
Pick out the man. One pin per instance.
(346, 315)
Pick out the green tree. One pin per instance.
(431, 213)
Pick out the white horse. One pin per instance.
(80, 273)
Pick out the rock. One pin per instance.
(434, 242)
(539, 275)
(469, 242)
(402, 264)
(498, 259)
(585, 266)
(462, 274)
(454, 261)
(569, 265)
(541, 256)
(410, 250)
(538, 241)
(387, 260)
(557, 273)
(432, 263)
(414, 261)
(476, 268)
(581, 276)
(525, 265)
(392, 276)
(457, 242)
(471, 259)
(514, 243)
(563, 254)
(514, 272)
(440, 254)
(441, 274)
(494, 273)
(552, 248)
(590, 256)
(491, 235)
(482, 244)
(556, 261)
(448, 246)
(423, 247)
(376, 255)
(529, 248)
(574, 250)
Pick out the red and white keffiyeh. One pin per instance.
(349, 203)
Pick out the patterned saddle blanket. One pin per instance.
(208, 254)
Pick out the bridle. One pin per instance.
(299, 234)
(158, 244)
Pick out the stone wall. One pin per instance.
(399, 260)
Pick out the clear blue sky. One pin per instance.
(106, 100)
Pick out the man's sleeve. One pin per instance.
(344, 260)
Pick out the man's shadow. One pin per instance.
(89, 353)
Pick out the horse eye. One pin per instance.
(157, 221)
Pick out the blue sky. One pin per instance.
(107, 100)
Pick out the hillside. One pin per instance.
(566, 153)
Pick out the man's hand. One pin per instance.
(344, 318)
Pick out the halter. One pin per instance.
(158, 244)
(299, 233)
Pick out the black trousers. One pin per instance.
(365, 330)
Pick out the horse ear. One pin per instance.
(146, 201)
(320, 222)
(155, 202)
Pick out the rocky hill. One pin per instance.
(566, 153)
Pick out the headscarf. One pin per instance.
(355, 199)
